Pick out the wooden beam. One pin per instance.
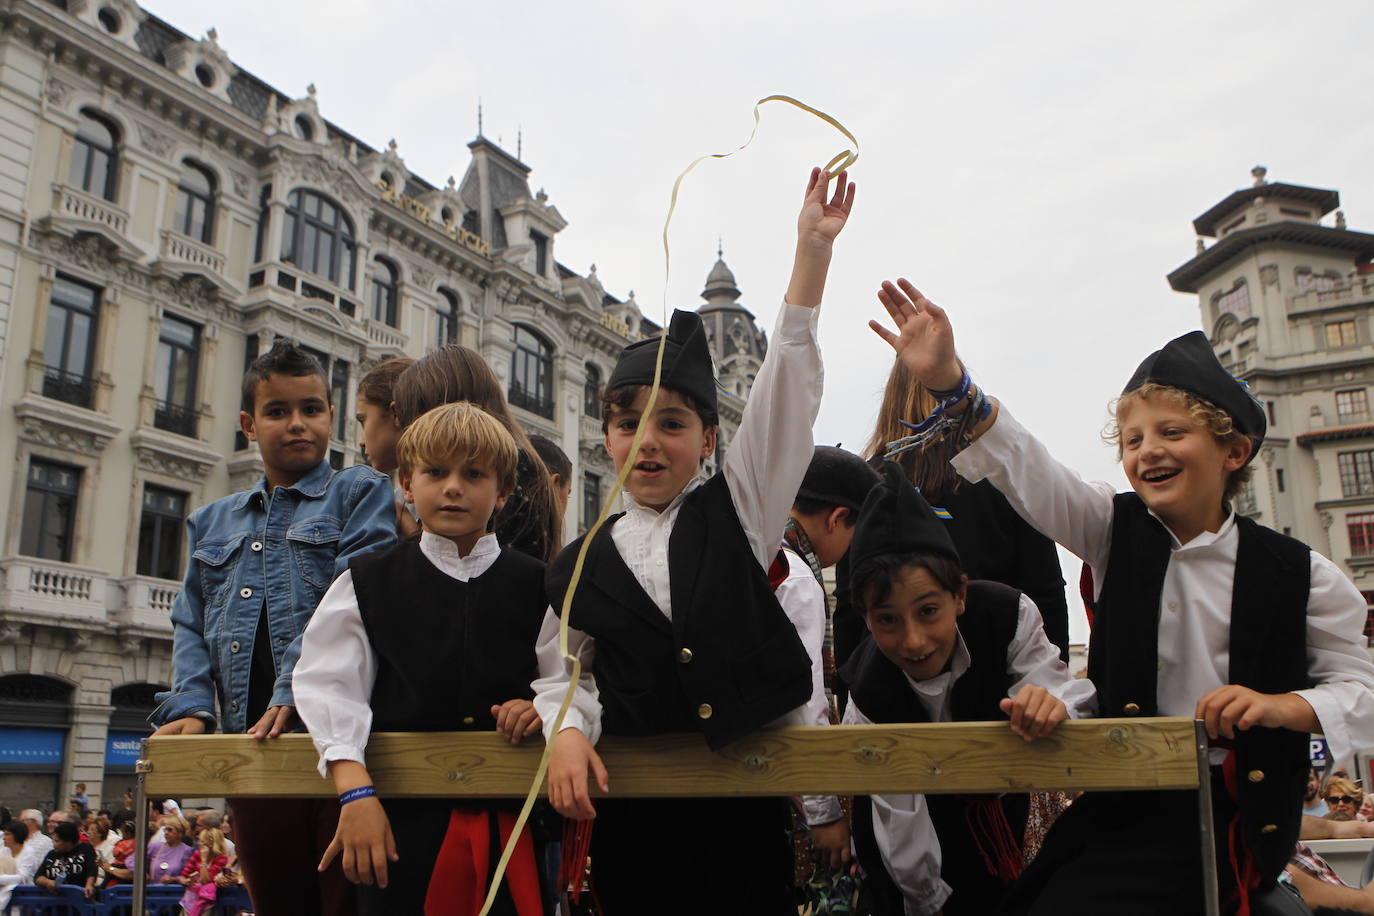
(960, 757)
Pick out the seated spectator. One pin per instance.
(1367, 808)
(1343, 799)
(103, 839)
(201, 871)
(27, 858)
(1313, 805)
(33, 819)
(1322, 888)
(118, 868)
(209, 817)
(71, 862)
(168, 856)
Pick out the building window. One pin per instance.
(591, 499)
(159, 533)
(94, 155)
(1235, 301)
(384, 292)
(49, 511)
(195, 213)
(531, 373)
(446, 324)
(338, 393)
(1273, 417)
(1352, 406)
(591, 393)
(250, 353)
(1357, 473)
(69, 345)
(318, 237)
(178, 356)
(541, 252)
(1341, 334)
(1360, 528)
(1278, 479)
(304, 128)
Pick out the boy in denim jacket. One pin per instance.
(260, 560)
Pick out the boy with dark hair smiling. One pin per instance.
(675, 619)
(259, 562)
(1200, 612)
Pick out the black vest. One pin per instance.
(447, 651)
(1268, 653)
(729, 661)
(881, 690)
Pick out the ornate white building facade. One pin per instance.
(164, 216)
(1287, 302)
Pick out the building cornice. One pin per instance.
(1325, 200)
(1187, 277)
(1336, 434)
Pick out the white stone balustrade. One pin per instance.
(43, 587)
(178, 249)
(69, 204)
(147, 603)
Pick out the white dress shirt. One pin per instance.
(803, 600)
(764, 466)
(31, 855)
(1195, 605)
(902, 827)
(333, 680)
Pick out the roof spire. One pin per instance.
(479, 116)
(519, 139)
(720, 248)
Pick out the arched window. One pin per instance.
(304, 128)
(531, 373)
(383, 291)
(446, 325)
(94, 155)
(591, 393)
(195, 214)
(318, 237)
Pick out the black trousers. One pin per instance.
(1123, 853)
(279, 843)
(689, 856)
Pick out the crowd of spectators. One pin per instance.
(96, 849)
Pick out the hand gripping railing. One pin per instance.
(950, 758)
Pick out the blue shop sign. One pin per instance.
(1316, 751)
(121, 750)
(32, 747)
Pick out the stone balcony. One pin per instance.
(385, 340)
(48, 592)
(75, 212)
(1357, 291)
(179, 255)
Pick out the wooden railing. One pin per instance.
(952, 758)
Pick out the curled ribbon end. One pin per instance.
(840, 163)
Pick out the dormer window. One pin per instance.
(388, 181)
(205, 76)
(109, 20)
(541, 252)
(304, 129)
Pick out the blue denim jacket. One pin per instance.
(250, 551)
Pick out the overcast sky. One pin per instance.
(1033, 167)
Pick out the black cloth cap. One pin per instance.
(836, 477)
(687, 365)
(896, 518)
(1189, 363)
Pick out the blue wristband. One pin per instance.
(355, 794)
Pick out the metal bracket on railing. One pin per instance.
(1211, 891)
(141, 768)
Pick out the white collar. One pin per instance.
(436, 545)
(1205, 539)
(635, 506)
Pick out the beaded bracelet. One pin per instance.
(355, 794)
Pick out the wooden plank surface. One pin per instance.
(841, 760)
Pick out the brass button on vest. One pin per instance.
(1255, 776)
(1131, 709)
(468, 720)
(705, 710)
(1269, 828)
(685, 655)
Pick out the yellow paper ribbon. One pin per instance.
(837, 164)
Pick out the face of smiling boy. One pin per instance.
(455, 499)
(1176, 466)
(915, 627)
(674, 445)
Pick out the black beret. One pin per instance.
(896, 518)
(687, 365)
(1189, 364)
(836, 477)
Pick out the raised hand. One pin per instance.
(821, 221)
(924, 339)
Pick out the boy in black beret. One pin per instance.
(942, 648)
(674, 617)
(817, 535)
(1199, 612)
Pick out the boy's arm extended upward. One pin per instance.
(767, 459)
